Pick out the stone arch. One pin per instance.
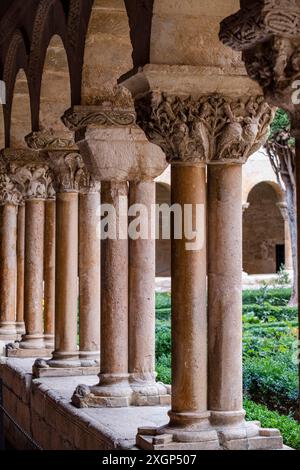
(275, 186)
(108, 51)
(263, 230)
(50, 20)
(163, 247)
(16, 59)
(20, 124)
(55, 94)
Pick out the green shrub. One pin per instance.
(272, 382)
(280, 297)
(163, 300)
(289, 428)
(163, 369)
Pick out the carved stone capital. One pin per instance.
(30, 173)
(204, 129)
(48, 140)
(268, 33)
(9, 193)
(69, 169)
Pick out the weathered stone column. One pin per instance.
(142, 297)
(68, 168)
(10, 199)
(31, 173)
(20, 325)
(225, 294)
(89, 273)
(116, 151)
(49, 272)
(288, 257)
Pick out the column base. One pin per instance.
(43, 368)
(49, 342)
(186, 431)
(90, 359)
(249, 436)
(20, 327)
(14, 350)
(113, 391)
(34, 342)
(147, 392)
(8, 330)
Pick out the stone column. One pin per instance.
(89, 273)
(10, 198)
(166, 120)
(282, 206)
(31, 172)
(49, 272)
(68, 168)
(20, 325)
(225, 294)
(142, 299)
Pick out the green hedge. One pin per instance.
(280, 297)
(288, 427)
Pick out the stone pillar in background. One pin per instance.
(31, 173)
(89, 272)
(116, 151)
(288, 256)
(49, 272)
(10, 199)
(20, 325)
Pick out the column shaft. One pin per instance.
(189, 323)
(8, 267)
(66, 270)
(114, 305)
(89, 278)
(20, 269)
(142, 290)
(49, 272)
(33, 283)
(225, 293)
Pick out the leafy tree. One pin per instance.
(280, 148)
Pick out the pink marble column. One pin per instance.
(20, 325)
(49, 272)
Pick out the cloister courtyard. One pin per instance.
(149, 255)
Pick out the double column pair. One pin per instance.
(29, 175)
(77, 262)
(218, 132)
(126, 164)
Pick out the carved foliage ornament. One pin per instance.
(35, 181)
(206, 129)
(48, 140)
(70, 171)
(9, 194)
(76, 120)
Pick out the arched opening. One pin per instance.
(108, 51)
(20, 125)
(55, 88)
(263, 231)
(163, 247)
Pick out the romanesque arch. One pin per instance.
(263, 230)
